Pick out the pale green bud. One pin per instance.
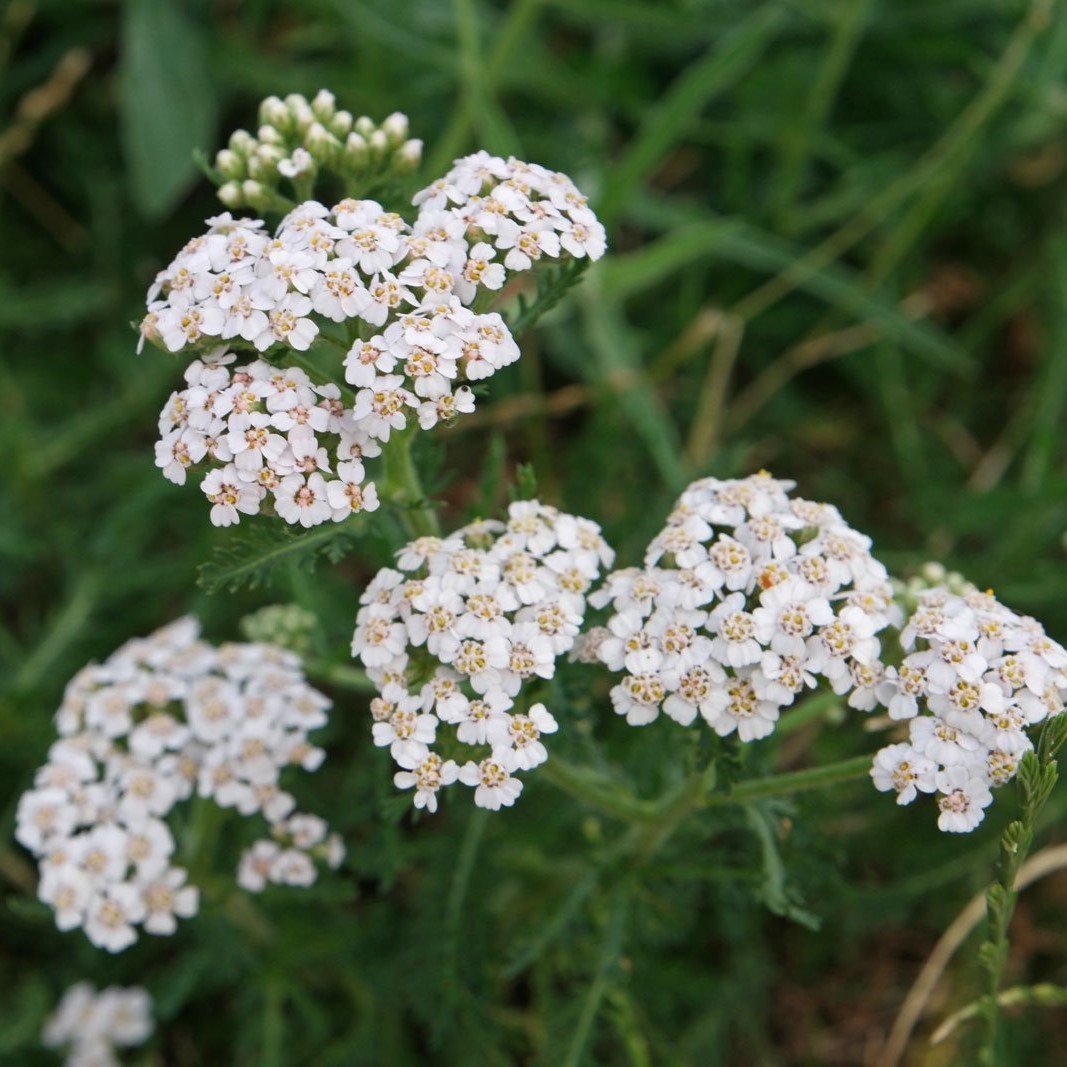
(341, 124)
(364, 126)
(932, 572)
(322, 144)
(242, 142)
(379, 144)
(270, 135)
(232, 195)
(356, 151)
(408, 156)
(256, 194)
(287, 625)
(273, 112)
(324, 105)
(230, 165)
(395, 128)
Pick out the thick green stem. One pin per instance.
(777, 785)
(403, 488)
(692, 795)
(598, 791)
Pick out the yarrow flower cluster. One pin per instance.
(276, 440)
(164, 718)
(90, 1025)
(395, 298)
(455, 632)
(748, 597)
(523, 210)
(976, 676)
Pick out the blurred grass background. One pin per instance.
(839, 251)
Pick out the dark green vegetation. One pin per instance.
(839, 251)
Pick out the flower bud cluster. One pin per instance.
(90, 1025)
(455, 633)
(164, 718)
(975, 677)
(748, 597)
(288, 626)
(298, 139)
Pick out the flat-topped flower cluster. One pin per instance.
(974, 678)
(748, 597)
(390, 304)
(164, 718)
(90, 1025)
(455, 633)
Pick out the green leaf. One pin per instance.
(250, 556)
(667, 123)
(168, 104)
(737, 242)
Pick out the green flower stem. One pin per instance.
(777, 785)
(403, 488)
(201, 838)
(693, 794)
(597, 790)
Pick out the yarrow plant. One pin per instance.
(163, 719)
(320, 340)
(92, 1024)
(400, 310)
(459, 630)
(975, 678)
(747, 599)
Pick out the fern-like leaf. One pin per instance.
(251, 554)
(552, 285)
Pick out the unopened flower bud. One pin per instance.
(408, 156)
(270, 154)
(303, 117)
(231, 194)
(242, 142)
(364, 126)
(261, 167)
(356, 150)
(257, 195)
(379, 144)
(934, 573)
(270, 135)
(322, 144)
(395, 128)
(324, 105)
(273, 112)
(230, 165)
(341, 124)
